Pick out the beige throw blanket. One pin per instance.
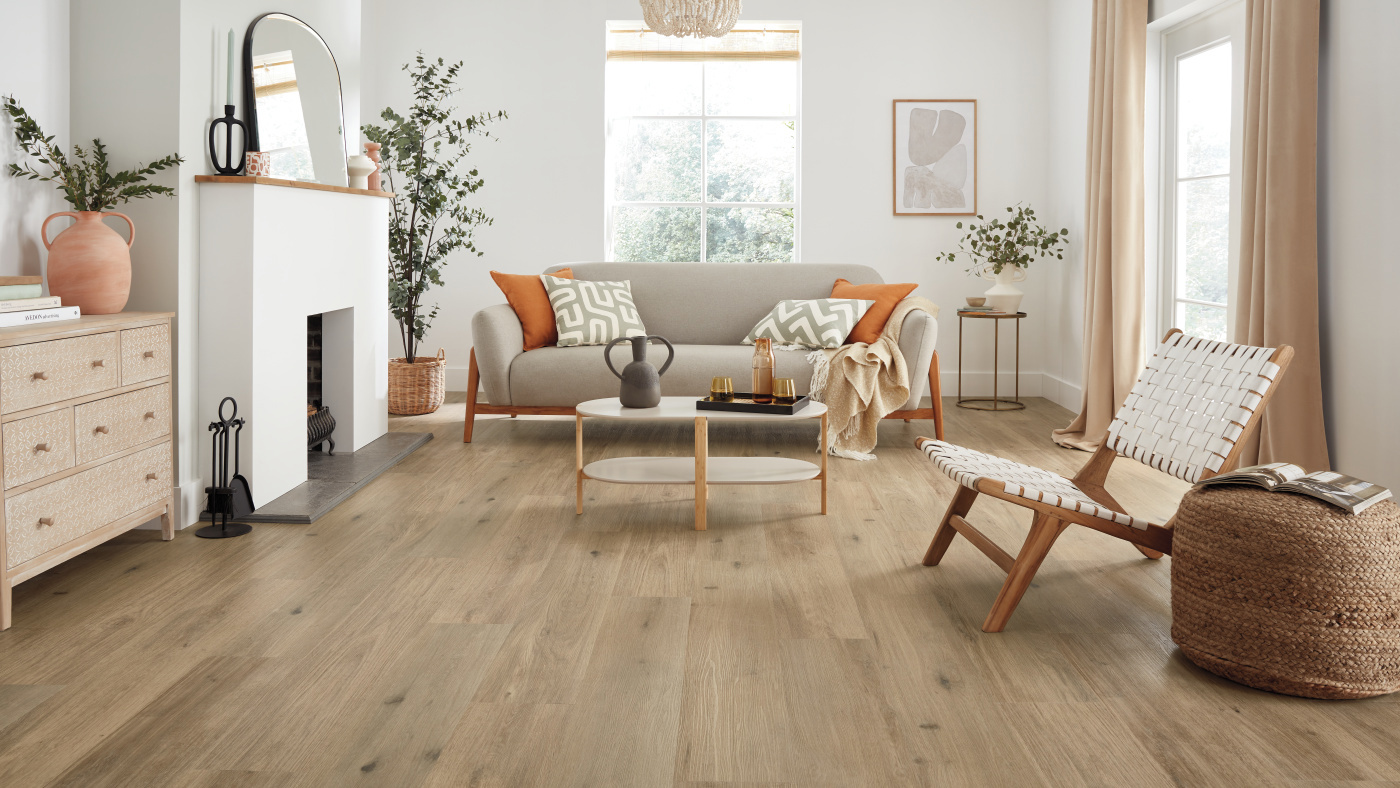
(862, 383)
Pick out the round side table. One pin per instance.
(995, 402)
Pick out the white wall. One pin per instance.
(1358, 173)
(33, 69)
(857, 59)
(1070, 38)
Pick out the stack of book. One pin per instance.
(980, 310)
(23, 303)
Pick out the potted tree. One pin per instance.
(1001, 251)
(422, 160)
(89, 263)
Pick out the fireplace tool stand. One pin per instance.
(230, 497)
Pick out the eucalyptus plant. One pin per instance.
(993, 245)
(84, 179)
(422, 162)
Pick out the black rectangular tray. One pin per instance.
(743, 403)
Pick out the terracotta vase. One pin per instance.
(372, 151)
(89, 263)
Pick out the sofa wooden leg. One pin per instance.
(473, 381)
(935, 393)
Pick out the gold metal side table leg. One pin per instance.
(702, 461)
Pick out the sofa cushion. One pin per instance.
(566, 376)
(717, 303)
(528, 298)
(592, 313)
(819, 322)
(886, 298)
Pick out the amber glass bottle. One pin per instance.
(763, 370)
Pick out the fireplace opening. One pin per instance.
(320, 424)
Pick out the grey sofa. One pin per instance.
(705, 310)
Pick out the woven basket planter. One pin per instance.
(417, 388)
(1288, 594)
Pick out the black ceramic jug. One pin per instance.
(641, 382)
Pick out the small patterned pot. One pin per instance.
(259, 163)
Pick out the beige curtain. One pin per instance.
(1113, 231)
(1277, 278)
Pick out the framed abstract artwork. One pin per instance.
(935, 157)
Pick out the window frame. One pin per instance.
(1221, 24)
(611, 203)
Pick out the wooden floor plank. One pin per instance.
(455, 623)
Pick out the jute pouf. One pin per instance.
(1288, 594)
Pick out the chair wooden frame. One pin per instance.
(1050, 520)
(934, 412)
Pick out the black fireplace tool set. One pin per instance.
(230, 498)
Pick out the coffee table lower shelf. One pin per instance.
(720, 470)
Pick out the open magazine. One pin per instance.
(1338, 489)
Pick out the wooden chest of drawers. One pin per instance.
(85, 438)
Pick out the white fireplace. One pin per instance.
(269, 256)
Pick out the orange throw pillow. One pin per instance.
(886, 298)
(527, 297)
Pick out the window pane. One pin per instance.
(1203, 112)
(1207, 322)
(752, 160)
(1203, 240)
(751, 88)
(657, 160)
(652, 88)
(749, 235)
(656, 235)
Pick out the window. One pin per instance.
(1200, 205)
(702, 145)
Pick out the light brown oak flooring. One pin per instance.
(455, 623)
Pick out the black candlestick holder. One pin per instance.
(228, 121)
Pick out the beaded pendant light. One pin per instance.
(699, 18)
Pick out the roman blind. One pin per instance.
(274, 74)
(630, 41)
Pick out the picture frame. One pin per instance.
(935, 157)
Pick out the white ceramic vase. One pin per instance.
(1004, 296)
(359, 167)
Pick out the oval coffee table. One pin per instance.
(704, 470)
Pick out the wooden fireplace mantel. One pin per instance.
(264, 181)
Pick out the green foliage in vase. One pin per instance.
(422, 162)
(991, 246)
(84, 179)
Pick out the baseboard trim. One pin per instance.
(1061, 392)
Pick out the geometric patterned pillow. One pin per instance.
(820, 322)
(592, 313)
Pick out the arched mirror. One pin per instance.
(291, 88)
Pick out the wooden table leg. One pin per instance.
(578, 461)
(702, 457)
(825, 451)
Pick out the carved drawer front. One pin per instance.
(145, 353)
(55, 514)
(109, 425)
(44, 372)
(38, 446)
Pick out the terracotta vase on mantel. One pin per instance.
(90, 263)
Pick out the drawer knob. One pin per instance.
(45, 521)
(102, 430)
(98, 363)
(41, 447)
(150, 414)
(41, 376)
(149, 354)
(150, 477)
